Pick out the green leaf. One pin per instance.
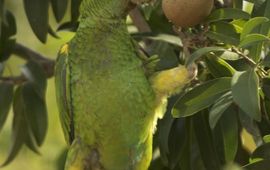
(252, 39)
(200, 97)
(259, 165)
(228, 55)
(205, 142)
(36, 75)
(19, 128)
(6, 95)
(227, 13)
(220, 106)
(262, 152)
(250, 126)
(35, 112)
(223, 32)
(229, 129)
(218, 67)
(75, 4)
(245, 91)
(251, 24)
(266, 87)
(37, 14)
(59, 8)
(238, 4)
(201, 52)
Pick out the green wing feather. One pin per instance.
(63, 93)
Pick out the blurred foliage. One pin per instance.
(203, 127)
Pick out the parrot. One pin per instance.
(108, 98)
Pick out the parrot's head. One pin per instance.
(109, 8)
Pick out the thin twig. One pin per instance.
(249, 60)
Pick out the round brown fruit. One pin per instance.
(187, 13)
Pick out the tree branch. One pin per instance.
(139, 21)
(30, 55)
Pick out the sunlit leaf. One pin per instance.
(252, 39)
(251, 24)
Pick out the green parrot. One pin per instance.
(108, 98)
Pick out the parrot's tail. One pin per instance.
(82, 157)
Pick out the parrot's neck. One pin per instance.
(104, 9)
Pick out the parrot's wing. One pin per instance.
(63, 94)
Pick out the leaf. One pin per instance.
(6, 95)
(245, 91)
(75, 4)
(227, 13)
(266, 87)
(220, 106)
(252, 39)
(223, 32)
(218, 67)
(35, 74)
(229, 128)
(228, 55)
(251, 24)
(19, 127)
(250, 126)
(35, 112)
(202, 51)
(37, 14)
(205, 142)
(200, 97)
(259, 165)
(59, 8)
(262, 152)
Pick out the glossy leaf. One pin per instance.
(223, 32)
(252, 39)
(220, 106)
(59, 8)
(251, 24)
(218, 67)
(37, 14)
(227, 13)
(245, 91)
(200, 97)
(6, 96)
(201, 52)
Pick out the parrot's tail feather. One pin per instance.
(83, 157)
